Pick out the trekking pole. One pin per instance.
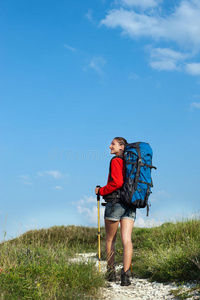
(99, 242)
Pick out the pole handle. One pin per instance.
(98, 196)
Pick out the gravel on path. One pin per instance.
(140, 289)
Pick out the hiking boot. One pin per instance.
(125, 278)
(110, 275)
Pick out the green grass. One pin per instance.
(37, 264)
(170, 252)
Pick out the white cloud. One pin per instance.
(91, 214)
(140, 222)
(161, 65)
(193, 68)
(195, 105)
(70, 48)
(58, 187)
(182, 26)
(80, 202)
(131, 23)
(133, 76)
(166, 59)
(53, 173)
(89, 15)
(141, 3)
(88, 208)
(91, 199)
(25, 179)
(86, 200)
(97, 63)
(167, 53)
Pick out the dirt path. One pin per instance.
(140, 289)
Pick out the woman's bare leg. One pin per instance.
(126, 232)
(111, 233)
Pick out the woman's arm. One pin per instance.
(117, 175)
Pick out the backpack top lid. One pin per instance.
(143, 148)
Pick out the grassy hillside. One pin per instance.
(170, 252)
(37, 264)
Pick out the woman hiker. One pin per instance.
(116, 212)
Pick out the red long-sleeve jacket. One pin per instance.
(116, 180)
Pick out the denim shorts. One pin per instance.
(119, 212)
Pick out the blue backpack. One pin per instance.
(138, 182)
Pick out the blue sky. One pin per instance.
(75, 74)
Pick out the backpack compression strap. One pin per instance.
(138, 163)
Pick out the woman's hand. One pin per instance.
(97, 190)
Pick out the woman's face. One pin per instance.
(116, 148)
